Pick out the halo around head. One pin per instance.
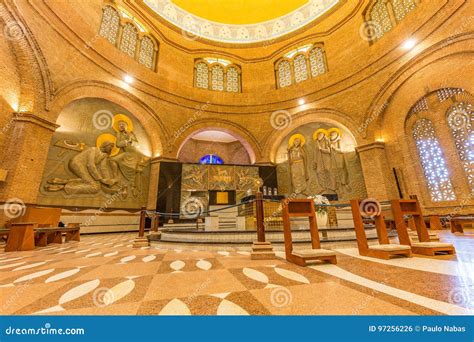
(107, 137)
(124, 118)
(320, 130)
(335, 129)
(296, 136)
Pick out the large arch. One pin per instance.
(249, 142)
(152, 124)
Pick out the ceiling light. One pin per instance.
(409, 44)
(301, 102)
(128, 79)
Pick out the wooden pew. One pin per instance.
(303, 208)
(384, 250)
(459, 222)
(21, 237)
(425, 246)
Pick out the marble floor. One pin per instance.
(103, 274)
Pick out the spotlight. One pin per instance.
(301, 102)
(128, 79)
(409, 44)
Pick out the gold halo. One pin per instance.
(122, 117)
(294, 136)
(334, 129)
(320, 130)
(107, 137)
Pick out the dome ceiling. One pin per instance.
(239, 21)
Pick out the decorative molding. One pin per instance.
(371, 146)
(194, 26)
(34, 119)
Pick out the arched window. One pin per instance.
(301, 69)
(299, 65)
(460, 120)
(284, 74)
(110, 24)
(232, 80)
(217, 74)
(211, 159)
(433, 162)
(316, 62)
(384, 15)
(128, 44)
(146, 54)
(202, 75)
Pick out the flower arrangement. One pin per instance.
(320, 199)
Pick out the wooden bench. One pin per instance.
(458, 223)
(303, 208)
(45, 236)
(384, 250)
(21, 237)
(425, 246)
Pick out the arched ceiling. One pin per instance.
(239, 21)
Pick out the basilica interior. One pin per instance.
(241, 157)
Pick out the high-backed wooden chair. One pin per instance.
(303, 208)
(384, 250)
(424, 246)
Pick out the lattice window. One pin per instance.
(460, 119)
(284, 74)
(146, 55)
(433, 162)
(316, 62)
(202, 75)
(232, 84)
(301, 68)
(217, 78)
(446, 93)
(381, 19)
(110, 24)
(129, 41)
(402, 7)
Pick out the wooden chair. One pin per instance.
(425, 246)
(384, 250)
(303, 208)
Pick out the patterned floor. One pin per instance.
(103, 274)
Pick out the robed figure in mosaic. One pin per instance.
(297, 160)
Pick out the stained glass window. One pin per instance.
(433, 162)
(217, 78)
(284, 74)
(316, 62)
(232, 80)
(110, 24)
(301, 69)
(129, 40)
(202, 75)
(211, 159)
(147, 52)
(460, 120)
